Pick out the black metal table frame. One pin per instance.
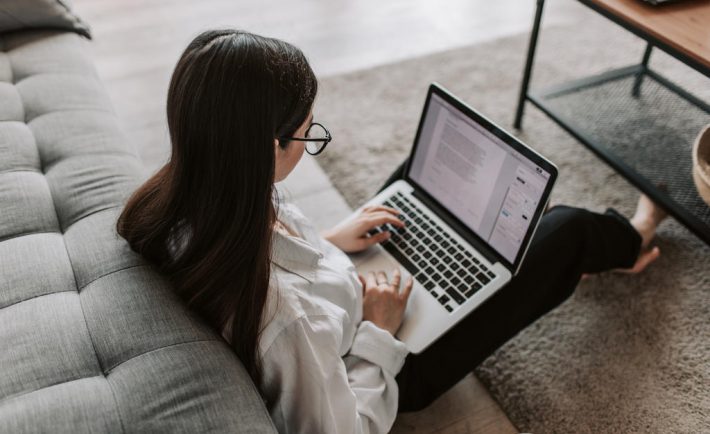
(640, 71)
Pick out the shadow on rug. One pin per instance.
(625, 353)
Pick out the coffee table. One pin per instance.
(626, 116)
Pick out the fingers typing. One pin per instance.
(407, 290)
(381, 278)
(377, 238)
(388, 209)
(381, 218)
(396, 278)
(371, 281)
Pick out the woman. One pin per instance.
(316, 337)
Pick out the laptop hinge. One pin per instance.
(462, 230)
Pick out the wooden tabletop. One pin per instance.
(683, 25)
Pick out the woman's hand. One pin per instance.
(351, 236)
(383, 304)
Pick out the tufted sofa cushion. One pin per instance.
(91, 338)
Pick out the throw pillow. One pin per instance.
(40, 14)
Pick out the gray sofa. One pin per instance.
(92, 339)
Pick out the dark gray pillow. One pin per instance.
(40, 14)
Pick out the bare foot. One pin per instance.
(646, 220)
(645, 258)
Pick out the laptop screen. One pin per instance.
(482, 180)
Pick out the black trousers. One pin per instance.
(568, 243)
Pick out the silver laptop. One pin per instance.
(471, 199)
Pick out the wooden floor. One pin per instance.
(137, 42)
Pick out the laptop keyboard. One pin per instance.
(448, 270)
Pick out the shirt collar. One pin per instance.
(293, 254)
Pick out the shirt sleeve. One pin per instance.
(310, 388)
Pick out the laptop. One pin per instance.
(471, 199)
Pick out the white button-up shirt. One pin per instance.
(325, 369)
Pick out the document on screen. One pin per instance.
(463, 165)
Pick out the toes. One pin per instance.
(643, 261)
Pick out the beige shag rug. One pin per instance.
(625, 353)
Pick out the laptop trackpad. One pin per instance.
(377, 259)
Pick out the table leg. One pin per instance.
(639, 77)
(528, 64)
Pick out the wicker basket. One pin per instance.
(701, 164)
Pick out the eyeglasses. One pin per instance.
(317, 137)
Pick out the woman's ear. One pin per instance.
(280, 146)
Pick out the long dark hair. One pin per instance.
(205, 219)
